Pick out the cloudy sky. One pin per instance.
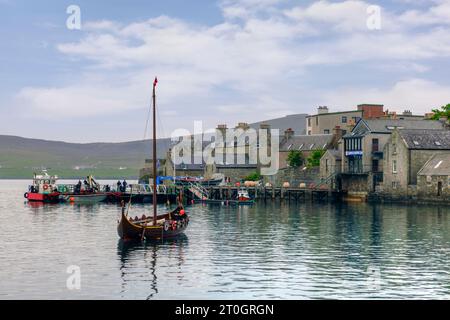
(219, 61)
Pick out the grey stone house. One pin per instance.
(433, 180)
(363, 151)
(406, 154)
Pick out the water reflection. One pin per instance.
(147, 254)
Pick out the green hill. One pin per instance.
(20, 157)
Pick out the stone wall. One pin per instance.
(329, 165)
(397, 183)
(294, 176)
(427, 188)
(418, 160)
(352, 183)
(236, 174)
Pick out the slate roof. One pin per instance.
(307, 142)
(426, 139)
(438, 165)
(190, 167)
(388, 125)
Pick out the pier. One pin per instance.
(261, 193)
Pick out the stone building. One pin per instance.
(324, 121)
(330, 163)
(363, 151)
(406, 153)
(433, 180)
(304, 143)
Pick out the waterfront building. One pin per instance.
(433, 180)
(363, 151)
(409, 158)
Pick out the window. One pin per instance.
(394, 185)
(326, 131)
(309, 132)
(416, 142)
(394, 166)
(375, 146)
(309, 122)
(326, 165)
(437, 143)
(344, 119)
(394, 149)
(317, 121)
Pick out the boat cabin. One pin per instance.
(43, 183)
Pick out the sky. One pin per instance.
(223, 61)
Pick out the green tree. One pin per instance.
(314, 158)
(295, 158)
(443, 112)
(255, 176)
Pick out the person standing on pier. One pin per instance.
(119, 186)
(124, 185)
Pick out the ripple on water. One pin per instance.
(259, 252)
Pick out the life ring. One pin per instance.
(25, 195)
(45, 187)
(64, 189)
(166, 225)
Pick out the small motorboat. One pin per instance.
(43, 189)
(87, 198)
(243, 195)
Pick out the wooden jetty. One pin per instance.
(224, 193)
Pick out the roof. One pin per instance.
(438, 165)
(333, 113)
(189, 167)
(335, 153)
(426, 139)
(234, 165)
(307, 142)
(388, 125)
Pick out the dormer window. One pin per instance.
(438, 143)
(416, 143)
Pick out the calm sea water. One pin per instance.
(277, 251)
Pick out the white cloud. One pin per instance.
(248, 60)
(416, 94)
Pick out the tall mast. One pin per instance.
(154, 154)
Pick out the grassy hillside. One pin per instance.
(20, 157)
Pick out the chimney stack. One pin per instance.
(322, 110)
(288, 133)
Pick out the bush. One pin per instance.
(253, 177)
(314, 158)
(295, 158)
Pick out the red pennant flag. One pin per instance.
(155, 82)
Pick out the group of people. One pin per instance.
(89, 186)
(122, 186)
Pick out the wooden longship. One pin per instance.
(165, 226)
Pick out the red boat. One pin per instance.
(43, 189)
